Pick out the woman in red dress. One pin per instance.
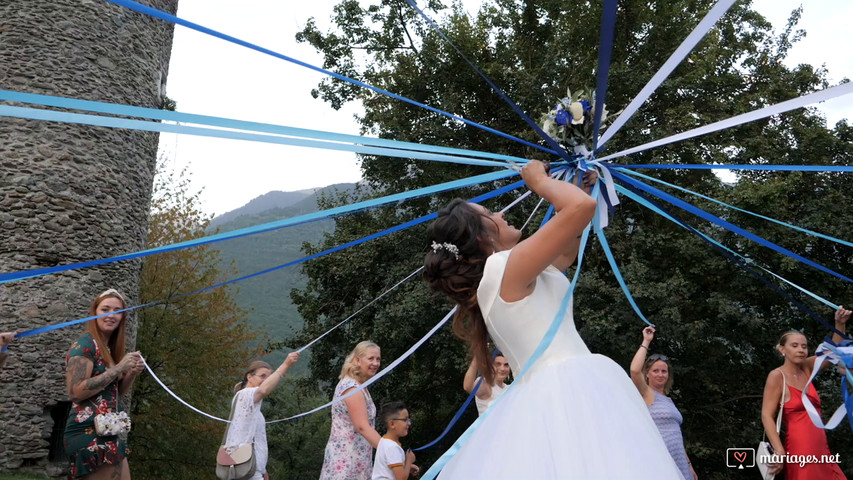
(803, 440)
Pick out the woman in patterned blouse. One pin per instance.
(353, 438)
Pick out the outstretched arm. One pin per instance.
(637, 366)
(272, 381)
(532, 256)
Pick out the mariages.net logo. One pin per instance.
(740, 458)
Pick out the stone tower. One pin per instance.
(69, 193)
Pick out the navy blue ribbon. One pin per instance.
(399, 227)
(608, 28)
(194, 26)
(558, 149)
(778, 168)
(719, 221)
(737, 261)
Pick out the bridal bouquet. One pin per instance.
(570, 122)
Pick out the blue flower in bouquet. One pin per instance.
(562, 117)
(586, 106)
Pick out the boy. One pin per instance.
(391, 463)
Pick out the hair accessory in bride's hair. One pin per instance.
(446, 246)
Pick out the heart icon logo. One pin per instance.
(740, 456)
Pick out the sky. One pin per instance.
(212, 77)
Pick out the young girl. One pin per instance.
(573, 414)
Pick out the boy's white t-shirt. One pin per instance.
(389, 454)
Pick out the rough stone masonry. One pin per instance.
(69, 193)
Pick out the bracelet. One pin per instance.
(644, 346)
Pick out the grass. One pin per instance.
(21, 476)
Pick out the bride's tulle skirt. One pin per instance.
(579, 418)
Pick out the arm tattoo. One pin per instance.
(76, 372)
(99, 382)
(117, 470)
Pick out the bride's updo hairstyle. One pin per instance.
(454, 266)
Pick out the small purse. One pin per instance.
(765, 450)
(110, 423)
(238, 464)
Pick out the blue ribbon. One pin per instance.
(399, 227)
(637, 196)
(559, 150)
(608, 28)
(13, 276)
(719, 221)
(718, 202)
(180, 117)
(777, 168)
(113, 122)
(454, 419)
(194, 26)
(613, 266)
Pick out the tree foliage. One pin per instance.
(717, 322)
(196, 344)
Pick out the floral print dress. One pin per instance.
(86, 450)
(348, 454)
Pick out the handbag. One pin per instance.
(238, 464)
(764, 450)
(110, 423)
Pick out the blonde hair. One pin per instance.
(253, 367)
(350, 369)
(113, 350)
(667, 387)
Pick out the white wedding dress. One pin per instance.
(573, 415)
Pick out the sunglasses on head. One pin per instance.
(658, 356)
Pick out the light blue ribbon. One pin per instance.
(647, 204)
(718, 202)
(266, 227)
(230, 123)
(727, 225)
(613, 266)
(143, 125)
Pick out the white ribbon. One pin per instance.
(841, 412)
(782, 107)
(677, 56)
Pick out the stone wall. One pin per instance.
(69, 194)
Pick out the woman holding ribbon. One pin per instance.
(352, 440)
(98, 373)
(248, 425)
(653, 378)
(785, 385)
(573, 414)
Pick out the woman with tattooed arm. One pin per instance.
(98, 373)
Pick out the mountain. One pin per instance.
(267, 201)
(267, 297)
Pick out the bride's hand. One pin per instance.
(533, 172)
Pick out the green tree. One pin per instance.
(718, 323)
(196, 344)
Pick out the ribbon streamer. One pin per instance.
(718, 202)
(266, 227)
(233, 124)
(835, 354)
(727, 225)
(144, 125)
(782, 107)
(664, 72)
(194, 26)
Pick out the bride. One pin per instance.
(574, 414)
